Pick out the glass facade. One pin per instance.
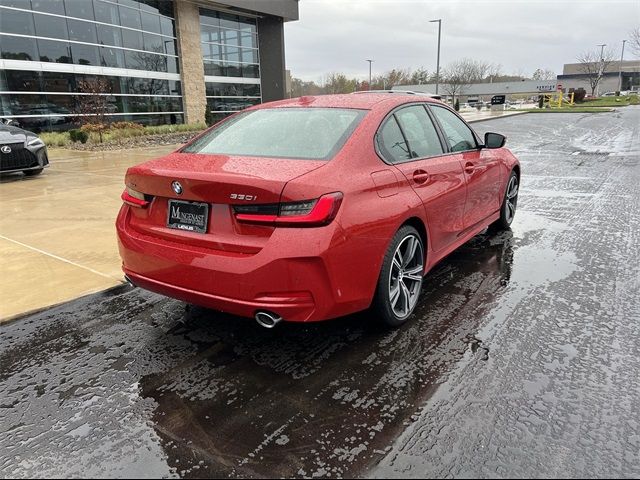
(134, 38)
(230, 53)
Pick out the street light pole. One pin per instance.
(620, 67)
(602, 45)
(370, 62)
(438, 63)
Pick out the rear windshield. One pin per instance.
(299, 133)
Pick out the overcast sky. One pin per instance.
(339, 35)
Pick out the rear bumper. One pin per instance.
(294, 276)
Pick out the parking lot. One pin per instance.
(522, 360)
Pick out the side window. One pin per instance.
(392, 143)
(458, 134)
(420, 132)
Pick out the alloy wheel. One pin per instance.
(405, 279)
(512, 199)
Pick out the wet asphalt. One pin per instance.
(523, 359)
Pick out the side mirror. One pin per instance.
(494, 140)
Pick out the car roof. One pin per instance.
(364, 101)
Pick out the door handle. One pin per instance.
(420, 177)
(469, 168)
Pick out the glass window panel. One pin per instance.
(112, 57)
(48, 6)
(130, 18)
(3, 81)
(51, 51)
(458, 134)
(22, 81)
(248, 40)
(18, 48)
(214, 68)
(172, 65)
(420, 132)
(209, 33)
(234, 70)
(300, 133)
(165, 7)
(249, 56)
(52, 27)
(166, 26)
(247, 24)
(132, 39)
(17, 3)
(232, 54)
(106, 12)
(79, 8)
(150, 22)
(174, 88)
(209, 17)
(149, 6)
(85, 54)
(230, 37)
(130, 3)
(58, 82)
(392, 143)
(250, 71)
(155, 43)
(169, 46)
(229, 21)
(108, 35)
(12, 21)
(146, 61)
(82, 31)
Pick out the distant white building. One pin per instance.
(484, 91)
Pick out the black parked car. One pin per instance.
(21, 151)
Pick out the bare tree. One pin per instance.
(544, 74)
(419, 76)
(458, 76)
(339, 83)
(594, 67)
(634, 41)
(93, 105)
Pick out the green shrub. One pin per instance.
(73, 134)
(56, 139)
(83, 136)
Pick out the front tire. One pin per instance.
(400, 278)
(509, 204)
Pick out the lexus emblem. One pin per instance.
(177, 187)
(5, 149)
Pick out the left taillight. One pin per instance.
(135, 198)
(306, 213)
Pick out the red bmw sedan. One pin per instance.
(316, 207)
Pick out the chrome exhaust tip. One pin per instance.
(268, 319)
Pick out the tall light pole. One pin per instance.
(370, 62)
(438, 63)
(600, 68)
(620, 67)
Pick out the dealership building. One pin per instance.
(165, 61)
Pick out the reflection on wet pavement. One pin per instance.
(522, 360)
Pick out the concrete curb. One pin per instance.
(514, 114)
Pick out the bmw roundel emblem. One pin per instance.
(177, 187)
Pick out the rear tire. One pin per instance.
(400, 279)
(33, 173)
(509, 204)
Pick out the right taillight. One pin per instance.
(135, 198)
(305, 213)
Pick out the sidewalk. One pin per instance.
(476, 116)
(57, 233)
